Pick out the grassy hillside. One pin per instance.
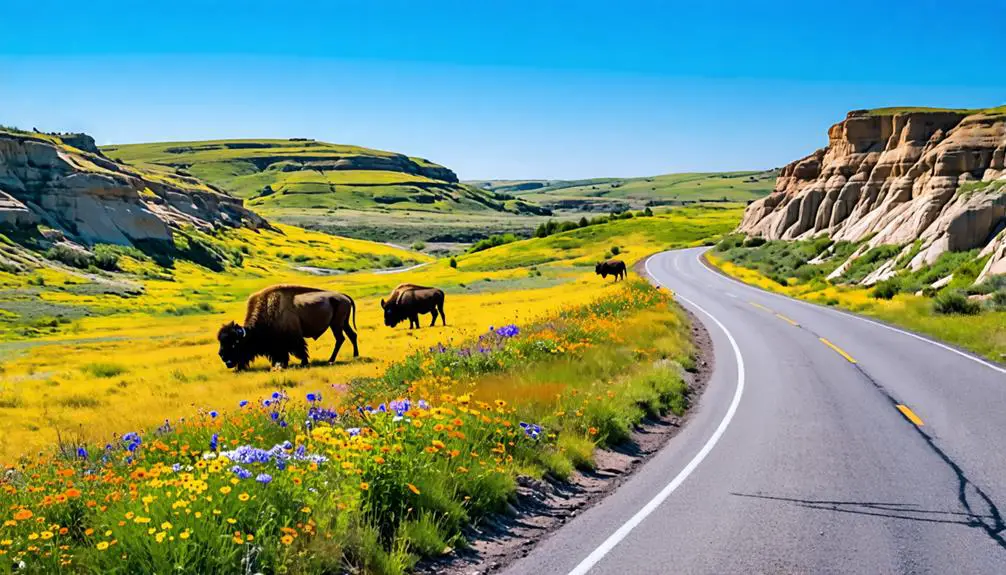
(139, 357)
(540, 362)
(203, 272)
(615, 194)
(308, 181)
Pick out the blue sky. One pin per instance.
(491, 89)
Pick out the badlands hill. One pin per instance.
(928, 180)
(282, 177)
(65, 183)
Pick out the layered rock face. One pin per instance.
(897, 177)
(94, 200)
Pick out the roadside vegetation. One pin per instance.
(957, 310)
(371, 474)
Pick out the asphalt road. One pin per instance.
(825, 443)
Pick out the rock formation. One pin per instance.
(896, 176)
(91, 199)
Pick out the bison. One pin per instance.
(613, 267)
(278, 320)
(410, 300)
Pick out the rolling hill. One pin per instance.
(616, 194)
(305, 181)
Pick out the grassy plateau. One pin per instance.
(166, 461)
(308, 183)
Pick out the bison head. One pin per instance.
(597, 268)
(234, 346)
(391, 316)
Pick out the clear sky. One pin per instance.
(498, 89)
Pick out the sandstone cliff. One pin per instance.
(896, 176)
(91, 199)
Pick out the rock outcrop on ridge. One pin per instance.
(91, 199)
(895, 176)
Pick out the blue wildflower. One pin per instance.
(82, 453)
(213, 442)
(241, 472)
(243, 403)
(213, 414)
(264, 478)
(353, 431)
(313, 397)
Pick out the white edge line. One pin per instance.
(973, 358)
(616, 537)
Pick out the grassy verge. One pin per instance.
(979, 328)
(370, 477)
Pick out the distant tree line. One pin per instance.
(553, 227)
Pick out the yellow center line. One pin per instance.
(787, 320)
(910, 415)
(760, 306)
(838, 350)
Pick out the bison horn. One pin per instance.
(241, 331)
(382, 302)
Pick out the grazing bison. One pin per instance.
(278, 319)
(613, 267)
(410, 300)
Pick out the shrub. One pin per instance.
(70, 256)
(391, 261)
(583, 222)
(418, 246)
(754, 242)
(454, 263)
(997, 302)
(647, 212)
(886, 289)
(104, 369)
(493, 241)
(615, 250)
(955, 302)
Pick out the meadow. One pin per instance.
(164, 458)
(608, 194)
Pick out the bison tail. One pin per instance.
(352, 304)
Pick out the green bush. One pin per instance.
(418, 246)
(454, 263)
(954, 301)
(615, 250)
(886, 289)
(997, 302)
(493, 241)
(754, 242)
(70, 256)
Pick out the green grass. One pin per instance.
(301, 176)
(922, 109)
(634, 238)
(607, 194)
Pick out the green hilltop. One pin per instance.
(615, 194)
(278, 177)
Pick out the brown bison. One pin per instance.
(410, 300)
(613, 267)
(279, 318)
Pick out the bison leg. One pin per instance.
(414, 321)
(443, 318)
(434, 314)
(299, 350)
(339, 340)
(279, 359)
(352, 339)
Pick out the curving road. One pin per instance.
(825, 443)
